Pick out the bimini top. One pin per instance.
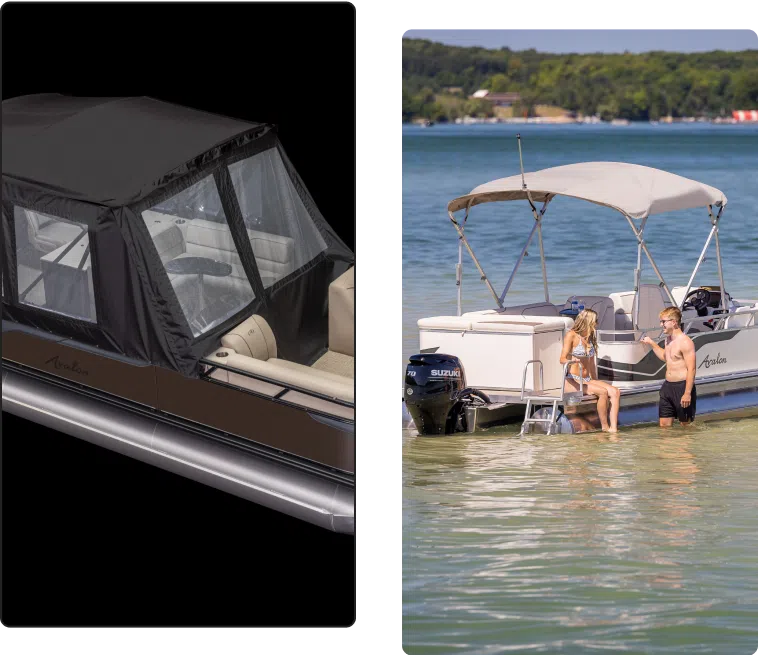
(634, 190)
(111, 151)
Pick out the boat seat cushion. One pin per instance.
(342, 313)
(622, 305)
(252, 338)
(289, 373)
(48, 235)
(335, 362)
(651, 303)
(533, 309)
(604, 308)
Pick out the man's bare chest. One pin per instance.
(674, 352)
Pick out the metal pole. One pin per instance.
(518, 262)
(658, 273)
(476, 261)
(641, 242)
(542, 249)
(638, 273)
(542, 258)
(537, 227)
(718, 254)
(697, 266)
(459, 273)
(459, 267)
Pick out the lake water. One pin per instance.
(642, 543)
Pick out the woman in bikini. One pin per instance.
(580, 346)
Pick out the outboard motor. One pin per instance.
(436, 394)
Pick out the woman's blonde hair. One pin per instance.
(585, 325)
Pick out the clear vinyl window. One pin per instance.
(54, 264)
(192, 236)
(282, 233)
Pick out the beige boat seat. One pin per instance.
(251, 347)
(340, 357)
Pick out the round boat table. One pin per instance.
(199, 266)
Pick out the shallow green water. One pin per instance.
(646, 542)
(577, 543)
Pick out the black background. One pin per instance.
(90, 537)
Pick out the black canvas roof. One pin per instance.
(110, 151)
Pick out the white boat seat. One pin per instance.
(745, 320)
(47, 234)
(651, 304)
(533, 309)
(273, 253)
(603, 306)
(496, 323)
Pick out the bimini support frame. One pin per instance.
(700, 259)
(482, 274)
(459, 266)
(642, 247)
(715, 223)
(536, 228)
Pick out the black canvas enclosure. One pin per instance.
(148, 229)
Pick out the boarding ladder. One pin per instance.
(543, 397)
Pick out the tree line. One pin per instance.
(438, 80)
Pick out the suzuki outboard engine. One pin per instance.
(436, 394)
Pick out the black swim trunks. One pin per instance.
(670, 404)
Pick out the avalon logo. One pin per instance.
(708, 362)
(72, 368)
(445, 373)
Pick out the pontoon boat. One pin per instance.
(501, 364)
(171, 291)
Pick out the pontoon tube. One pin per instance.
(297, 493)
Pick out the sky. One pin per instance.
(583, 41)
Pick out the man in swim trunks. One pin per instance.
(678, 394)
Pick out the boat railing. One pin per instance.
(535, 395)
(719, 321)
(212, 366)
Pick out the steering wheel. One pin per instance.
(697, 299)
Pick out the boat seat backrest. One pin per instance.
(273, 253)
(603, 307)
(651, 303)
(623, 302)
(46, 234)
(747, 318)
(533, 309)
(252, 338)
(342, 313)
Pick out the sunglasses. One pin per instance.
(667, 320)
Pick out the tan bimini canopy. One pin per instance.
(634, 190)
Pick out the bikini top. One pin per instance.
(581, 351)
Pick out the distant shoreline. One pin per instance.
(546, 120)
